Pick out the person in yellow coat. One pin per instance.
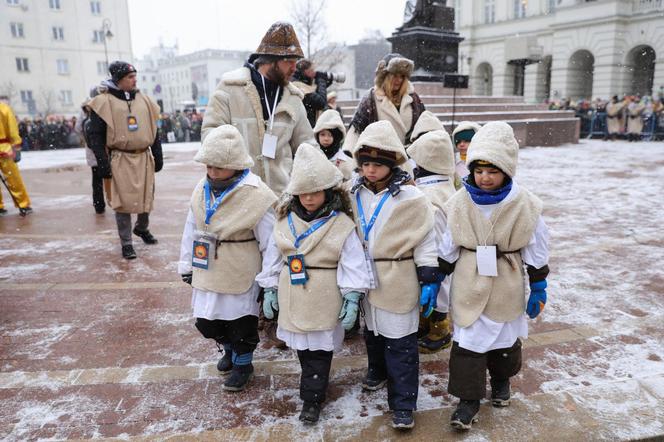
(10, 146)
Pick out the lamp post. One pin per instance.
(106, 33)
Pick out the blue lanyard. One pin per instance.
(367, 228)
(310, 230)
(211, 209)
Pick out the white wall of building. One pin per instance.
(52, 91)
(607, 32)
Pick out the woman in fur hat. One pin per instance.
(393, 98)
(227, 231)
(494, 228)
(330, 132)
(462, 135)
(395, 222)
(319, 269)
(434, 176)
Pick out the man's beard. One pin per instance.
(276, 76)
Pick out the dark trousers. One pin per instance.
(315, 374)
(397, 360)
(97, 190)
(241, 333)
(468, 369)
(123, 221)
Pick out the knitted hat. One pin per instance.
(433, 151)
(330, 119)
(280, 40)
(375, 155)
(426, 123)
(120, 69)
(495, 143)
(395, 64)
(382, 136)
(465, 131)
(312, 171)
(224, 148)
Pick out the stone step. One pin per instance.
(438, 99)
(459, 108)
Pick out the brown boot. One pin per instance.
(439, 336)
(422, 328)
(271, 335)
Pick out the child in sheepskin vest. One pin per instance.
(434, 176)
(462, 136)
(330, 132)
(319, 269)
(395, 222)
(494, 230)
(228, 228)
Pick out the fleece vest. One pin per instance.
(501, 298)
(315, 305)
(233, 269)
(392, 252)
(438, 193)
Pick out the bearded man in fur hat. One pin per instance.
(267, 110)
(393, 98)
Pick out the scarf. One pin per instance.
(486, 197)
(218, 186)
(332, 202)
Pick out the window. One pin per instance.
(95, 8)
(17, 30)
(489, 11)
(552, 5)
(98, 36)
(26, 96)
(520, 7)
(12, 2)
(66, 97)
(58, 33)
(22, 65)
(54, 5)
(102, 68)
(63, 66)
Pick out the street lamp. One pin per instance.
(105, 34)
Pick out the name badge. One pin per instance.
(297, 270)
(269, 145)
(371, 268)
(132, 123)
(200, 256)
(486, 261)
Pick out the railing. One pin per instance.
(647, 5)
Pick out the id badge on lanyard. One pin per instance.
(269, 148)
(487, 264)
(205, 245)
(371, 267)
(297, 270)
(132, 123)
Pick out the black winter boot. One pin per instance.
(25, 211)
(373, 380)
(3, 212)
(403, 419)
(128, 252)
(240, 377)
(146, 236)
(465, 415)
(225, 364)
(500, 393)
(310, 412)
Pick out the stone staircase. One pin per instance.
(533, 124)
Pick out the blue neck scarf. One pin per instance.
(484, 197)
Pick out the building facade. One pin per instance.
(54, 51)
(552, 49)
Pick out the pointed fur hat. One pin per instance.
(312, 171)
(224, 148)
(495, 143)
(433, 151)
(426, 123)
(382, 136)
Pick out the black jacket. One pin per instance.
(315, 101)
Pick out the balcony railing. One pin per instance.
(647, 5)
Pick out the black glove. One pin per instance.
(187, 277)
(157, 154)
(104, 169)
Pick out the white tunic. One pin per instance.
(224, 306)
(352, 276)
(389, 324)
(484, 334)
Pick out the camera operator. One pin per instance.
(314, 86)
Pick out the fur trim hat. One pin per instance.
(433, 151)
(330, 119)
(426, 123)
(393, 64)
(466, 130)
(382, 136)
(312, 171)
(281, 41)
(495, 143)
(224, 148)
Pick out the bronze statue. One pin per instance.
(423, 13)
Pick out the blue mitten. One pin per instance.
(428, 298)
(348, 313)
(270, 303)
(537, 298)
